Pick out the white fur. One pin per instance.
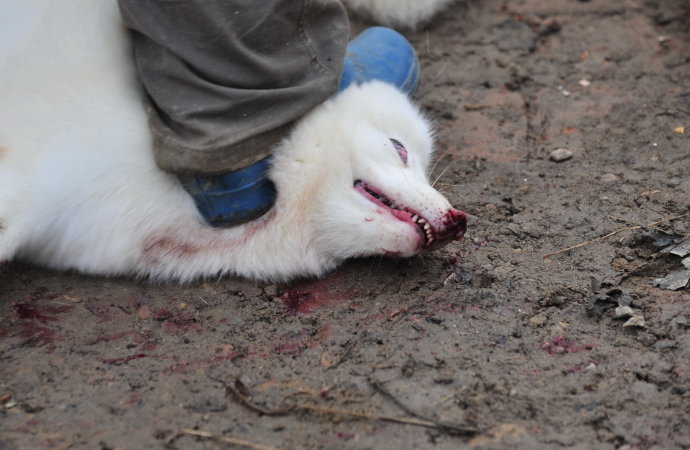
(79, 188)
(398, 13)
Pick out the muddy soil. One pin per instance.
(484, 344)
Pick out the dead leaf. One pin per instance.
(674, 280)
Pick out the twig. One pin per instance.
(416, 421)
(641, 225)
(230, 439)
(366, 415)
(234, 390)
(345, 354)
(620, 230)
(447, 427)
(452, 395)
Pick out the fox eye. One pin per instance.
(402, 151)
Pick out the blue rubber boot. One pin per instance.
(235, 197)
(380, 53)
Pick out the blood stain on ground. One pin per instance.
(560, 345)
(43, 314)
(308, 298)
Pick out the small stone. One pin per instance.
(71, 299)
(674, 182)
(538, 320)
(561, 154)
(623, 312)
(549, 26)
(584, 82)
(271, 290)
(252, 291)
(636, 321)
(503, 271)
(559, 328)
(609, 178)
(679, 130)
(144, 313)
(665, 344)
(591, 366)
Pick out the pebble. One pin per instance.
(674, 182)
(636, 321)
(609, 178)
(144, 313)
(538, 320)
(503, 271)
(271, 290)
(623, 312)
(559, 328)
(665, 344)
(561, 154)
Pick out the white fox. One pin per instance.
(79, 188)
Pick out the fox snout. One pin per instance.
(452, 227)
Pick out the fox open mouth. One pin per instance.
(454, 221)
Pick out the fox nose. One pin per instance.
(452, 228)
(456, 223)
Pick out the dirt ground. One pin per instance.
(484, 344)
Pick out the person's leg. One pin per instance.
(224, 81)
(225, 77)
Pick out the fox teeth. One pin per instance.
(414, 218)
(427, 226)
(422, 220)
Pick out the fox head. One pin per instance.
(367, 153)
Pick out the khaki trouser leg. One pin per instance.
(225, 78)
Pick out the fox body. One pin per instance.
(79, 188)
